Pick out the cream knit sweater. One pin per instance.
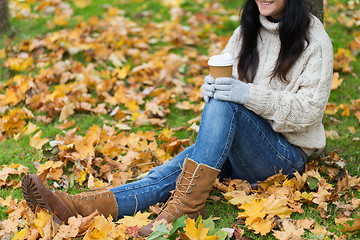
(296, 108)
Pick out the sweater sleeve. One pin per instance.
(234, 43)
(298, 108)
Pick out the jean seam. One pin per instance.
(146, 185)
(227, 139)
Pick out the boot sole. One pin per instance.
(33, 196)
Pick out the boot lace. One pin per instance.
(87, 194)
(183, 183)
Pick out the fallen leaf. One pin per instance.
(37, 142)
(139, 219)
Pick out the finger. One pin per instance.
(220, 96)
(207, 87)
(224, 81)
(222, 87)
(209, 79)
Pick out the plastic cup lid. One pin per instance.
(221, 60)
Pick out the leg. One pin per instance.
(216, 133)
(230, 132)
(153, 188)
(258, 152)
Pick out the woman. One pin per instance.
(266, 119)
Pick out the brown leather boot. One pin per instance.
(192, 189)
(64, 205)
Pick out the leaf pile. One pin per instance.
(271, 204)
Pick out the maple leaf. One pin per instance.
(290, 232)
(196, 233)
(238, 197)
(103, 228)
(277, 206)
(166, 134)
(9, 171)
(139, 219)
(52, 170)
(20, 63)
(45, 224)
(37, 142)
(253, 210)
(262, 226)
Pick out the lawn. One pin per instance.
(87, 83)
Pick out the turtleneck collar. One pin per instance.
(272, 27)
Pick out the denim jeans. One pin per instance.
(232, 139)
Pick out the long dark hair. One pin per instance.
(293, 32)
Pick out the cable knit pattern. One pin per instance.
(296, 108)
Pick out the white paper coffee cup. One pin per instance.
(221, 65)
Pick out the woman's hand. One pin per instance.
(232, 90)
(208, 88)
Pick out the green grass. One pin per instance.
(347, 146)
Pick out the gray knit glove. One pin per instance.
(231, 90)
(208, 88)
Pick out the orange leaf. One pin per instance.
(331, 108)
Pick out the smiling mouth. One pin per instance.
(266, 3)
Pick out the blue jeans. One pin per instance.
(232, 139)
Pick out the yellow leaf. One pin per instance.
(37, 142)
(277, 206)
(100, 228)
(253, 210)
(199, 233)
(262, 226)
(22, 235)
(132, 106)
(82, 3)
(12, 97)
(30, 128)
(351, 130)
(290, 232)
(336, 82)
(166, 134)
(238, 197)
(346, 109)
(172, 3)
(2, 53)
(122, 73)
(82, 177)
(140, 219)
(19, 64)
(42, 218)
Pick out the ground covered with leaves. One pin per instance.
(97, 93)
